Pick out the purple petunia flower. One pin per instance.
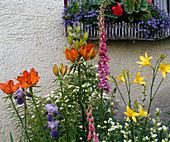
(51, 109)
(20, 96)
(53, 126)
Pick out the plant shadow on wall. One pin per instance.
(82, 108)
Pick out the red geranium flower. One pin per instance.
(150, 1)
(28, 79)
(9, 87)
(117, 10)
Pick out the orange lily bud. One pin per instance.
(55, 70)
(60, 68)
(64, 70)
(93, 53)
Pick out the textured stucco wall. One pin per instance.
(31, 35)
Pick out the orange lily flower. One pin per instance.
(28, 79)
(88, 51)
(9, 87)
(71, 54)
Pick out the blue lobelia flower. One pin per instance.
(51, 109)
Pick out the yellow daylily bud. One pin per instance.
(61, 68)
(78, 29)
(70, 29)
(85, 36)
(55, 70)
(64, 70)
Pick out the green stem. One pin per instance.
(129, 92)
(101, 112)
(157, 88)
(10, 96)
(131, 128)
(34, 103)
(65, 114)
(119, 90)
(81, 103)
(25, 127)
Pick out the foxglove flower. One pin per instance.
(104, 59)
(53, 126)
(51, 109)
(90, 120)
(20, 96)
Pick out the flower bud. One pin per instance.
(64, 70)
(55, 70)
(70, 29)
(70, 40)
(93, 53)
(71, 35)
(85, 36)
(81, 41)
(61, 67)
(77, 44)
(78, 29)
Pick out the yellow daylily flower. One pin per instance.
(138, 79)
(121, 78)
(142, 113)
(130, 113)
(164, 68)
(145, 60)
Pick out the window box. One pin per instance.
(123, 30)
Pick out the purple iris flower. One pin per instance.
(53, 126)
(51, 109)
(19, 95)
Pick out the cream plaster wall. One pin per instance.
(31, 35)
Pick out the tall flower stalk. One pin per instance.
(78, 53)
(103, 61)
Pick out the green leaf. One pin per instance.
(131, 18)
(145, 17)
(11, 138)
(144, 5)
(129, 6)
(137, 7)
